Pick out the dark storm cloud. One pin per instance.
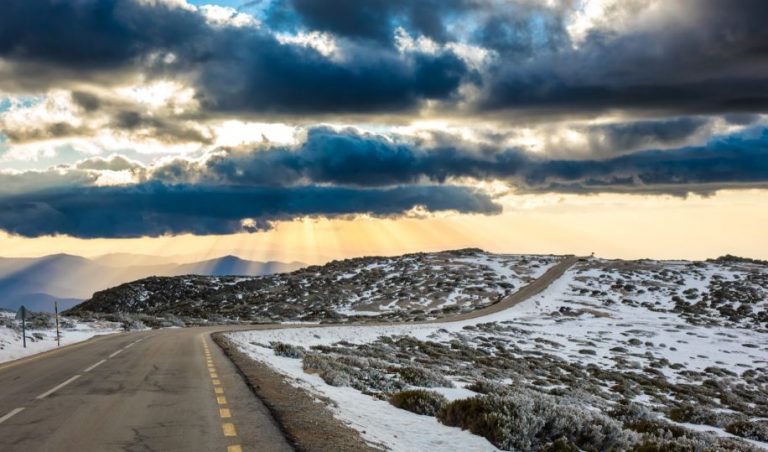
(290, 79)
(155, 209)
(368, 19)
(717, 61)
(234, 69)
(337, 174)
(92, 34)
(353, 159)
(618, 138)
(712, 59)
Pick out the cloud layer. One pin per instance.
(690, 56)
(152, 117)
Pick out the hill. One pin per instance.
(420, 285)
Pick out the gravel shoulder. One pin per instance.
(307, 424)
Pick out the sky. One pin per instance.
(312, 130)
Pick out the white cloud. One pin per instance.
(322, 42)
(227, 16)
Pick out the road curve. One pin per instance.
(161, 390)
(145, 391)
(517, 297)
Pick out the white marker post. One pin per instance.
(56, 311)
(24, 326)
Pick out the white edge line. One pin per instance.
(11, 414)
(46, 394)
(115, 354)
(95, 365)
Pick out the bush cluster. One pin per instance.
(419, 376)
(419, 401)
(288, 350)
(756, 430)
(527, 420)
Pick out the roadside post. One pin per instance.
(56, 312)
(24, 326)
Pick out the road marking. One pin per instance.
(14, 413)
(229, 429)
(46, 394)
(115, 354)
(95, 365)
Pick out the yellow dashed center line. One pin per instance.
(227, 427)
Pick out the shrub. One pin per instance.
(488, 387)
(756, 430)
(288, 350)
(419, 401)
(332, 372)
(39, 321)
(418, 376)
(527, 420)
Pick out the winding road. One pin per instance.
(161, 390)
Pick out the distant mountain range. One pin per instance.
(37, 282)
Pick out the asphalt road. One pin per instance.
(162, 390)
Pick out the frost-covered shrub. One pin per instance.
(336, 378)
(133, 324)
(696, 414)
(426, 378)
(327, 368)
(488, 387)
(756, 430)
(631, 412)
(659, 435)
(66, 323)
(337, 371)
(693, 443)
(40, 321)
(288, 350)
(419, 401)
(527, 420)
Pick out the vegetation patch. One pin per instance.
(419, 401)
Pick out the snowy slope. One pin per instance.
(649, 333)
(41, 340)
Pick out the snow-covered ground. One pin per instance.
(640, 318)
(41, 340)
